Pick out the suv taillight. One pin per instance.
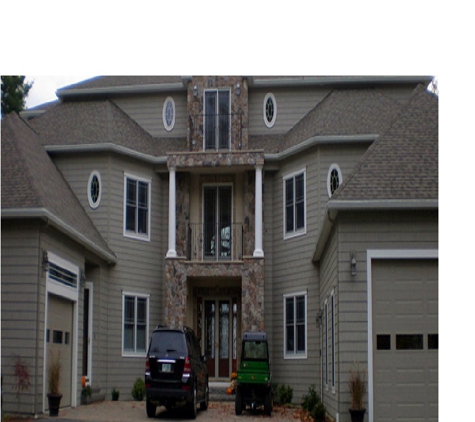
(187, 366)
(147, 364)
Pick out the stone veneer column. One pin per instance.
(258, 252)
(172, 215)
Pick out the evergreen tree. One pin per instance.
(14, 93)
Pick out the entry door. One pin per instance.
(87, 333)
(220, 318)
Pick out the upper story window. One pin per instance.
(94, 190)
(294, 204)
(168, 114)
(334, 179)
(270, 110)
(136, 207)
(217, 119)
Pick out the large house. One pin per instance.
(306, 207)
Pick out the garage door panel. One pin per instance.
(405, 366)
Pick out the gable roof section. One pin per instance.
(33, 187)
(99, 124)
(402, 165)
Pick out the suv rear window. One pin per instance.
(168, 341)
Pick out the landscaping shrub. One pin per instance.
(312, 403)
(286, 393)
(138, 392)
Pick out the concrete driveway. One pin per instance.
(126, 411)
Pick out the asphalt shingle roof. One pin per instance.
(30, 180)
(403, 162)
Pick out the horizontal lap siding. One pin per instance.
(293, 272)
(20, 274)
(359, 232)
(147, 111)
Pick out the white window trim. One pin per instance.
(93, 204)
(325, 352)
(274, 117)
(129, 233)
(373, 254)
(168, 127)
(128, 353)
(302, 231)
(294, 355)
(340, 178)
(333, 337)
(204, 118)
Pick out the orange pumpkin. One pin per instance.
(229, 390)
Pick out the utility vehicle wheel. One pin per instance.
(238, 403)
(151, 409)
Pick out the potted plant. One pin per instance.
(86, 395)
(54, 378)
(115, 394)
(357, 386)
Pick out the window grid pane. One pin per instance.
(135, 324)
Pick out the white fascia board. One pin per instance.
(125, 89)
(63, 227)
(382, 204)
(105, 147)
(321, 140)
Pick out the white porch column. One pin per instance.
(172, 215)
(258, 252)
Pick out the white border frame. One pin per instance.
(71, 294)
(127, 353)
(295, 356)
(274, 117)
(93, 204)
(168, 127)
(371, 255)
(303, 231)
(128, 233)
(336, 167)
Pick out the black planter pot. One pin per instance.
(357, 415)
(53, 403)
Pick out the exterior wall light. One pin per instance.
(238, 89)
(45, 261)
(353, 264)
(319, 318)
(195, 91)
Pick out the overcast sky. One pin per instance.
(44, 87)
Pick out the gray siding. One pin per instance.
(147, 111)
(292, 105)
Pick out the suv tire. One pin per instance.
(192, 410)
(151, 409)
(204, 404)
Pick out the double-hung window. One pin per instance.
(135, 320)
(295, 325)
(136, 207)
(217, 119)
(294, 204)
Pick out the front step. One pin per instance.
(217, 391)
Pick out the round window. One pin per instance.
(334, 179)
(270, 110)
(169, 114)
(94, 190)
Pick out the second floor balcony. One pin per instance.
(215, 242)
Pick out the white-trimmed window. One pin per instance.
(269, 110)
(94, 189)
(332, 311)
(294, 204)
(217, 119)
(334, 179)
(137, 207)
(135, 324)
(325, 343)
(295, 325)
(168, 114)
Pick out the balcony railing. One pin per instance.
(216, 131)
(215, 242)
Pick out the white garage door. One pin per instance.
(405, 338)
(59, 340)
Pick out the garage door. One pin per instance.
(59, 340)
(405, 339)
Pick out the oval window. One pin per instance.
(168, 114)
(270, 110)
(94, 189)
(334, 179)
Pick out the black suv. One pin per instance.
(175, 371)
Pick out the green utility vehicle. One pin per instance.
(253, 376)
